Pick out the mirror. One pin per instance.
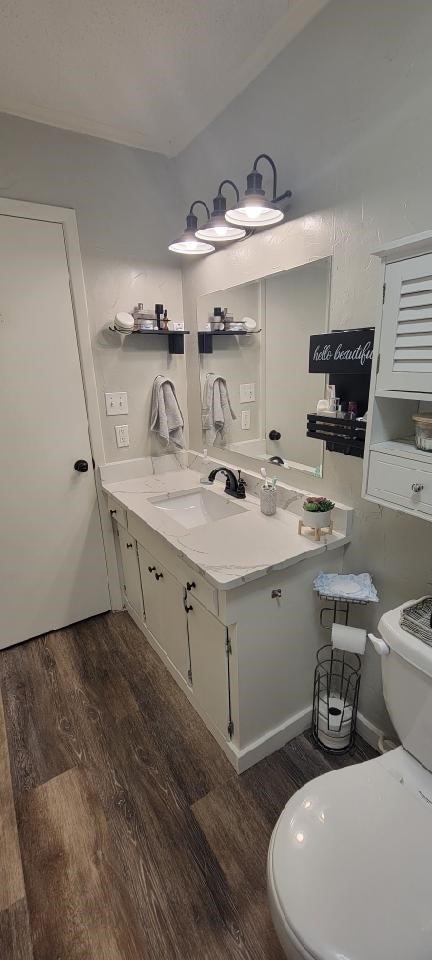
(269, 390)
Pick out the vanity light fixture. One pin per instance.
(217, 230)
(188, 242)
(254, 210)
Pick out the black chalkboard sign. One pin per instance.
(342, 351)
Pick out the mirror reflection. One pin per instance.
(254, 347)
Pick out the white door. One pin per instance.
(52, 562)
(406, 331)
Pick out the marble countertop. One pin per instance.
(226, 552)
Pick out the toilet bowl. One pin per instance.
(350, 858)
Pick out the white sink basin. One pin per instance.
(194, 508)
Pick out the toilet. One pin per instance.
(350, 860)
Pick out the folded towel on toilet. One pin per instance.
(166, 418)
(217, 412)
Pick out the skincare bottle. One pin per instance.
(205, 469)
(267, 495)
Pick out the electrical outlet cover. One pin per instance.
(247, 392)
(122, 435)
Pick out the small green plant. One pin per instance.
(318, 505)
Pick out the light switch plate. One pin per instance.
(245, 420)
(247, 392)
(122, 435)
(116, 403)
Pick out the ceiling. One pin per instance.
(149, 73)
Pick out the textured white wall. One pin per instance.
(126, 213)
(345, 113)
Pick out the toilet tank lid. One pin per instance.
(410, 648)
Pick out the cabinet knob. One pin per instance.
(129, 546)
(191, 586)
(417, 487)
(159, 576)
(151, 569)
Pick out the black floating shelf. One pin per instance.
(175, 337)
(340, 432)
(205, 337)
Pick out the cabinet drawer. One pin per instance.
(117, 512)
(393, 479)
(197, 586)
(165, 554)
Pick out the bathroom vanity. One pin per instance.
(224, 595)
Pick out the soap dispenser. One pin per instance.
(205, 469)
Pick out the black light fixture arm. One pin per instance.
(203, 204)
(265, 156)
(231, 184)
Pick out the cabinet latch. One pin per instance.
(228, 646)
(230, 728)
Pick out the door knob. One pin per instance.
(274, 435)
(81, 466)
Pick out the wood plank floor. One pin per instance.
(124, 832)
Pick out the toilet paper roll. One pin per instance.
(348, 638)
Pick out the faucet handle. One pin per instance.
(241, 487)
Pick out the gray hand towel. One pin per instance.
(217, 412)
(166, 418)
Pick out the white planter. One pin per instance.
(316, 520)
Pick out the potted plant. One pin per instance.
(317, 512)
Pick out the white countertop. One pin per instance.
(226, 552)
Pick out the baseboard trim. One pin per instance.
(369, 731)
(274, 739)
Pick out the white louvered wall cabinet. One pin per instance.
(397, 474)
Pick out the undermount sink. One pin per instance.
(194, 508)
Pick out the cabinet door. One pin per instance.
(131, 573)
(165, 613)
(209, 663)
(406, 332)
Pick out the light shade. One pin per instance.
(188, 242)
(217, 230)
(254, 210)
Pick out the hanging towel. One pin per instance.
(166, 418)
(217, 412)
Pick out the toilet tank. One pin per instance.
(407, 686)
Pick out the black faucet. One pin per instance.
(234, 487)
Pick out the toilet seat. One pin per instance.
(349, 868)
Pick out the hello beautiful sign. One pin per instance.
(342, 351)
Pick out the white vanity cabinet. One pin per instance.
(165, 615)
(396, 474)
(241, 648)
(131, 572)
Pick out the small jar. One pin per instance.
(268, 501)
(423, 432)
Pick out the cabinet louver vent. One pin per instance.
(413, 345)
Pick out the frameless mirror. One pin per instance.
(254, 346)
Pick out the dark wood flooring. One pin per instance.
(125, 834)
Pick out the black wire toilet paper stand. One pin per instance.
(336, 685)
